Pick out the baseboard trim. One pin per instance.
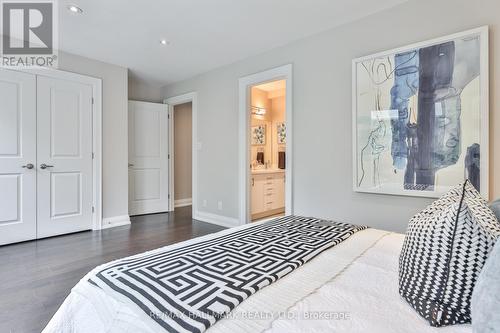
(183, 202)
(116, 221)
(223, 221)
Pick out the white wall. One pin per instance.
(114, 129)
(143, 91)
(322, 111)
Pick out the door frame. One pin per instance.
(96, 84)
(245, 83)
(172, 102)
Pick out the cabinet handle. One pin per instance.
(28, 166)
(44, 166)
(253, 181)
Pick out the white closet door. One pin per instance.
(64, 150)
(148, 158)
(17, 149)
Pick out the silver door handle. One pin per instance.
(44, 166)
(28, 166)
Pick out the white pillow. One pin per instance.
(495, 207)
(486, 296)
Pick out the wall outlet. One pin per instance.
(219, 205)
(204, 203)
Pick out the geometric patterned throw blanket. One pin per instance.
(187, 289)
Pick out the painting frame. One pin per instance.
(258, 135)
(483, 34)
(281, 133)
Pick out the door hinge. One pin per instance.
(168, 156)
(93, 210)
(169, 196)
(92, 100)
(93, 155)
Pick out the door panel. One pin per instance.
(257, 203)
(65, 192)
(147, 121)
(10, 201)
(17, 149)
(65, 136)
(279, 185)
(146, 184)
(148, 158)
(9, 117)
(65, 147)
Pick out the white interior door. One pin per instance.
(64, 156)
(17, 149)
(148, 158)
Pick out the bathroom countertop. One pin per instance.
(266, 171)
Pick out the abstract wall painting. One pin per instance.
(420, 117)
(259, 135)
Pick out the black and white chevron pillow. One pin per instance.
(444, 250)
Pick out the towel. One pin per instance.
(260, 157)
(281, 160)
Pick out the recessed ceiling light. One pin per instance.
(164, 42)
(75, 9)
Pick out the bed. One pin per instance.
(350, 287)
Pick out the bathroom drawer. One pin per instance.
(268, 192)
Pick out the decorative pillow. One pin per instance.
(486, 296)
(495, 207)
(444, 250)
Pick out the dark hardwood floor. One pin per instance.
(36, 276)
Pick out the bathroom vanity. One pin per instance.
(268, 192)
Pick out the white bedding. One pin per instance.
(353, 285)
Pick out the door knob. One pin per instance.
(44, 166)
(28, 166)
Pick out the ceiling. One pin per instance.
(202, 35)
(273, 89)
(272, 86)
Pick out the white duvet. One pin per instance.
(352, 287)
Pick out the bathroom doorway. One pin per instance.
(267, 150)
(266, 179)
